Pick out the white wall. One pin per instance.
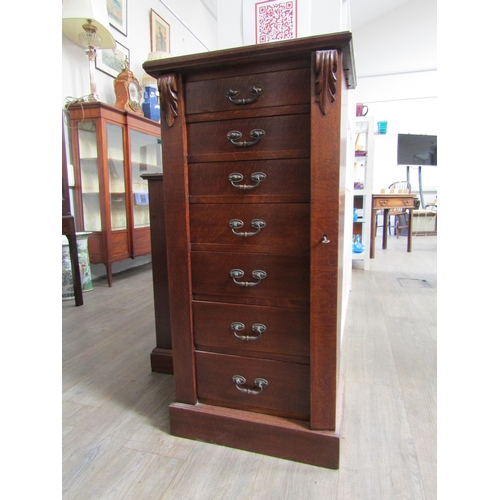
(396, 64)
(315, 17)
(193, 29)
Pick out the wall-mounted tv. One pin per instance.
(418, 150)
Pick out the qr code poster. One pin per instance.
(275, 20)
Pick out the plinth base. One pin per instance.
(258, 433)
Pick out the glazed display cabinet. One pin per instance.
(111, 149)
(254, 196)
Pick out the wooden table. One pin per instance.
(386, 202)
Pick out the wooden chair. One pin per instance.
(399, 215)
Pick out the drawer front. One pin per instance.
(249, 91)
(393, 202)
(288, 133)
(287, 277)
(286, 393)
(282, 178)
(251, 328)
(257, 225)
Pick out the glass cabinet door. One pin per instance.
(89, 175)
(116, 174)
(145, 156)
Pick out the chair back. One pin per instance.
(399, 187)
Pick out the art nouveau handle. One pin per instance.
(383, 202)
(255, 92)
(238, 273)
(260, 383)
(257, 177)
(257, 134)
(238, 224)
(407, 202)
(258, 328)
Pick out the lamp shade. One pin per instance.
(76, 13)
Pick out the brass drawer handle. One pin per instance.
(258, 328)
(260, 383)
(257, 134)
(257, 177)
(255, 92)
(238, 273)
(382, 202)
(238, 224)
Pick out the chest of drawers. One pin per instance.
(253, 179)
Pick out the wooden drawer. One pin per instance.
(272, 227)
(286, 136)
(284, 180)
(286, 393)
(277, 330)
(286, 281)
(388, 202)
(278, 89)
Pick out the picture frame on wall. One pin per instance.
(269, 20)
(160, 33)
(112, 61)
(117, 14)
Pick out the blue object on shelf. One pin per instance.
(357, 246)
(141, 198)
(151, 106)
(355, 215)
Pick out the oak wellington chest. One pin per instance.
(253, 179)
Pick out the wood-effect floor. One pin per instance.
(116, 443)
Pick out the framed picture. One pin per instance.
(112, 61)
(269, 20)
(117, 14)
(160, 33)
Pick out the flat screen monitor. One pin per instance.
(417, 150)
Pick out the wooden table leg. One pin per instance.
(386, 224)
(109, 273)
(68, 230)
(374, 234)
(75, 268)
(410, 230)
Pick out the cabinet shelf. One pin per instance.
(363, 173)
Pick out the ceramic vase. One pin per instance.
(83, 259)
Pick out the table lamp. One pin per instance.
(85, 22)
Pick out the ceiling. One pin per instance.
(365, 11)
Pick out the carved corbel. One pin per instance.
(169, 103)
(326, 78)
